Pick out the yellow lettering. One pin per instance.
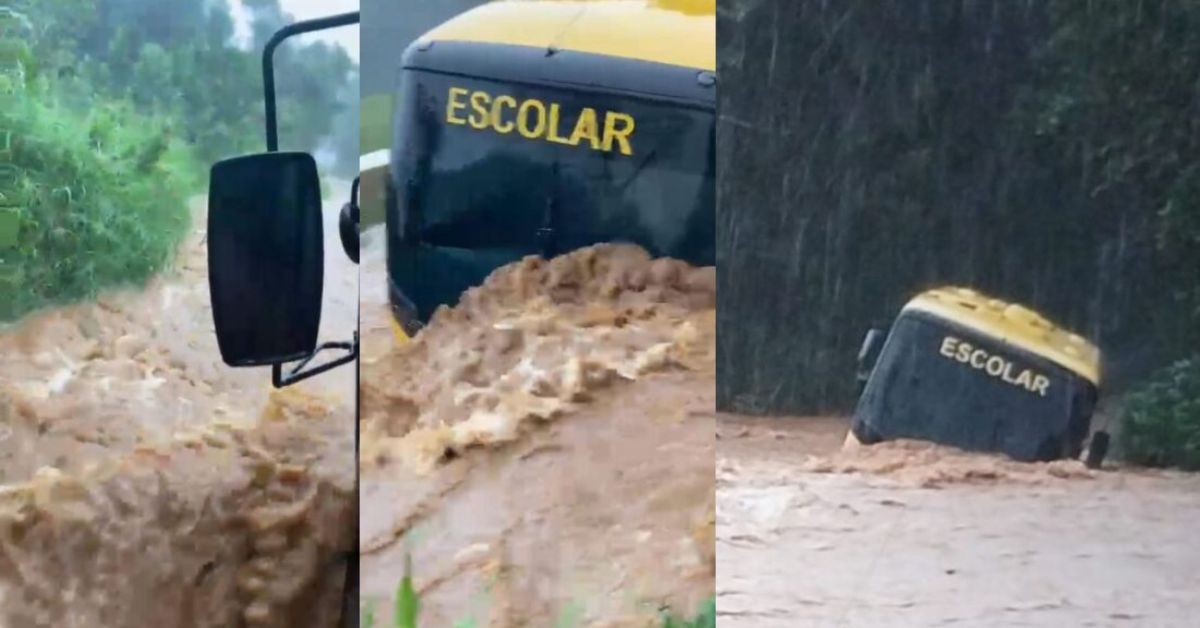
(523, 119)
(621, 134)
(995, 365)
(497, 123)
(981, 355)
(554, 136)
(452, 105)
(479, 110)
(587, 128)
(1007, 376)
(537, 119)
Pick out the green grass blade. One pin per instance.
(407, 601)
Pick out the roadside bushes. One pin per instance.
(111, 111)
(1160, 421)
(98, 195)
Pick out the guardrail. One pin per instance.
(372, 172)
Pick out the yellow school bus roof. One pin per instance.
(1014, 324)
(674, 32)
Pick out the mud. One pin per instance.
(544, 450)
(912, 534)
(144, 483)
(926, 465)
(239, 527)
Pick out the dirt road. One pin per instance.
(914, 535)
(544, 454)
(143, 483)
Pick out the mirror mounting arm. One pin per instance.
(268, 63)
(294, 374)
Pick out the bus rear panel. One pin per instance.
(943, 382)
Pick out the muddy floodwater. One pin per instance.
(543, 453)
(143, 483)
(910, 534)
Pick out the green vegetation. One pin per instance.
(705, 618)
(112, 111)
(406, 616)
(408, 603)
(1044, 152)
(99, 201)
(1160, 421)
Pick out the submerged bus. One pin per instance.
(537, 128)
(960, 368)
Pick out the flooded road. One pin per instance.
(544, 451)
(910, 534)
(144, 483)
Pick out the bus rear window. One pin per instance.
(484, 164)
(937, 381)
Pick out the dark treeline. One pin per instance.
(1044, 151)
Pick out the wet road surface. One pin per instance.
(143, 483)
(915, 535)
(525, 495)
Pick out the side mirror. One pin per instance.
(868, 354)
(265, 257)
(348, 224)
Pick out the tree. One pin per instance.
(868, 150)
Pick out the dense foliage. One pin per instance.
(388, 27)
(1160, 421)
(113, 110)
(1042, 151)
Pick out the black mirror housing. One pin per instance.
(265, 257)
(348, 230)
(348, 224)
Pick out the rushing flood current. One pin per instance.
(145, 484)
(544, 450)
(913, 534)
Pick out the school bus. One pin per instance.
(536, 128)
(964, 369)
